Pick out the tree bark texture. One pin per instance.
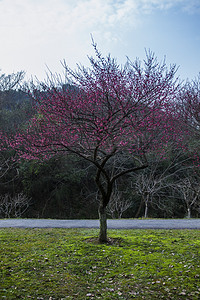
(188, 213)
(103, 224)
(146, 210)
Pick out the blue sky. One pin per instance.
(39, 33)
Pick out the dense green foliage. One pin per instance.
(69, 264)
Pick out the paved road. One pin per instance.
(112, 224)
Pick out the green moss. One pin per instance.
(69, 264)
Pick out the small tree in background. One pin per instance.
(189, 190)
(119, 203)
(109, 115)
(155, 182)
(14, 206)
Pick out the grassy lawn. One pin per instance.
(69, 264)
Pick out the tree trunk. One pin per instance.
(146, 210)
(139, 209)
(103, 224)
(188, 213)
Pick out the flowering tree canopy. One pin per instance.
(190, 105)
(107, 114)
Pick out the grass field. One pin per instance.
(70, 264)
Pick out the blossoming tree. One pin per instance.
(189, 103)
(107, 114)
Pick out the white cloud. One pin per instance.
(51, 14)
(36, 32)
(192, 6)
(48, 30)
(38, 18)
